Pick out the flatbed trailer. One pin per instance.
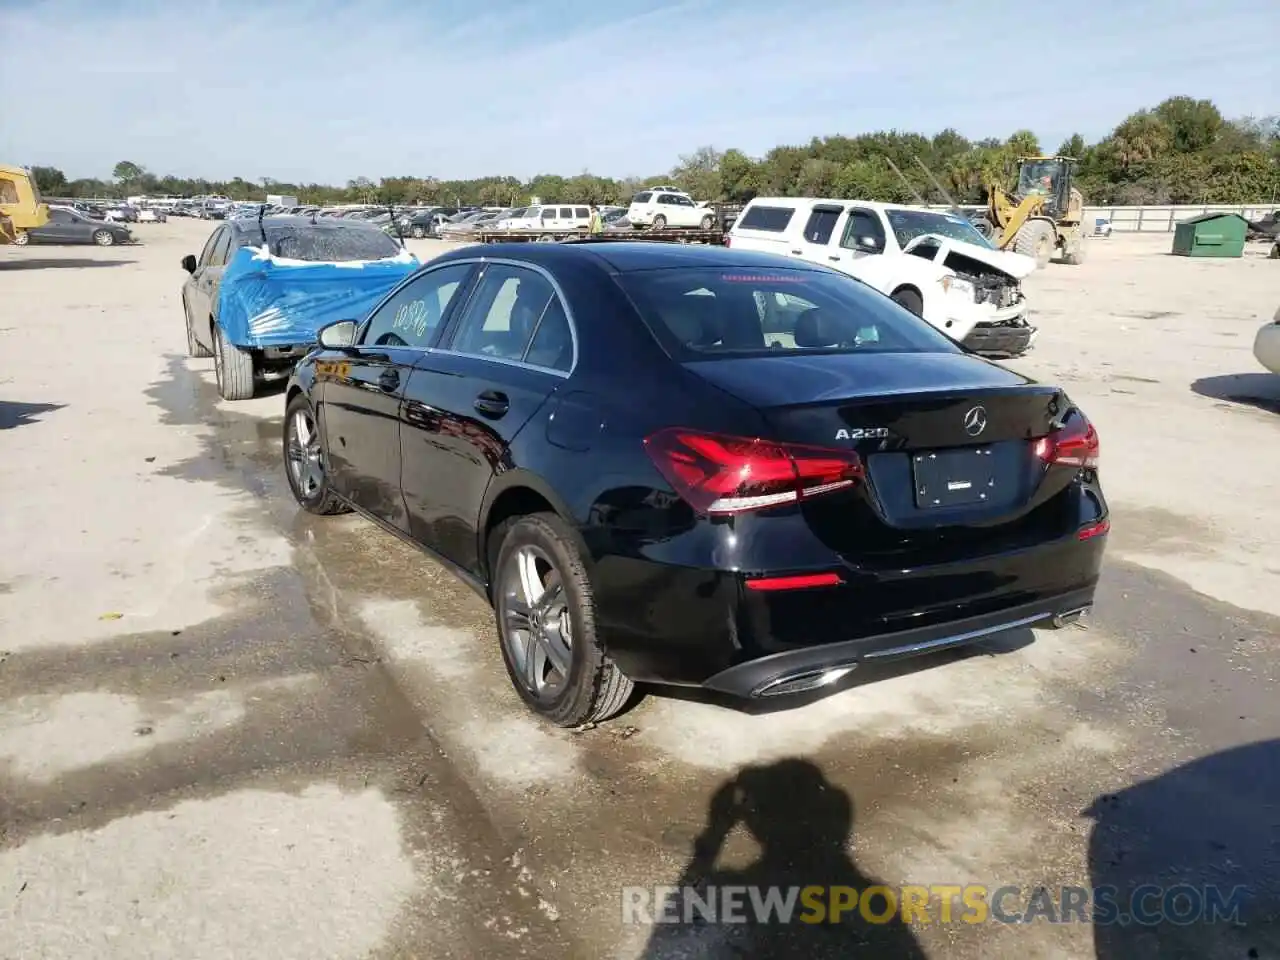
(549, 236)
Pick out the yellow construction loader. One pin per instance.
(20, 206)
(1043, 218)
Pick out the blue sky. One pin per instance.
(303, 90)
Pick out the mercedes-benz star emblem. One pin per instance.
(975, 421)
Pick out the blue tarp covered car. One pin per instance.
(267, 286)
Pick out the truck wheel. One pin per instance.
(659, 222)
(708, 222)
(232, 367)
(1035, 239)
(986, 227)
(909, 299)
(545, 610)
(194, 347)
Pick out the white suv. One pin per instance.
(934, 263)
(659, 209)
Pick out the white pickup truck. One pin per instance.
(934, 263)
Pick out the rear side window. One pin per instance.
(641, 198)
(504, 313)
(702, 314)
(822, 223)
(772, 219)
(581, 212)
(566, 213)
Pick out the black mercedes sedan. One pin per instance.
(690, 465)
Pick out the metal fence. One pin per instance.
(1152, 219)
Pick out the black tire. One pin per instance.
(104, 238)
(1035, 239)
(659, 222)
(909, 299)
(194, 347)
(986, 227)
(232, 367)
(417, 233)
(595, 689)
(20, 238)
(321, 501)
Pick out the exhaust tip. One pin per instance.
(804, 682)
(1069, 618)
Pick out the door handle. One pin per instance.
(797, 252)
(389, 380)
(833, 257)
(492, 403)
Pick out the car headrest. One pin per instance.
(693, 318)
(817, 328)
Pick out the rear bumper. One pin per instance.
(701, 626)
(1000, 341)
(813, 667)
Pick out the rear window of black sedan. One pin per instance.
(329, 244)
(699, 314)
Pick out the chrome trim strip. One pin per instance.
(939, 643)
(957, 637)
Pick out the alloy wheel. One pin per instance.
(306, 462)
(537, 628)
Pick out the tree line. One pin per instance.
(1182, 151)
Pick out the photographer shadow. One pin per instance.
(802, 824)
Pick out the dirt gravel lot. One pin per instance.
(230, 729)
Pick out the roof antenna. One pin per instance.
(907, 183)
(941, 189)
(399, 233)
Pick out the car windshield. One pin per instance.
(909, 224)
(330, 244)
(1039, 177)
(703, 314)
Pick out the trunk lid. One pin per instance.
(947, 440)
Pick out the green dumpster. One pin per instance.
(1210, 235)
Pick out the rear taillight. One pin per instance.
(1075, 445)
(725, 475)
(728, 243)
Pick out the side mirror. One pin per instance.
(868, 243)
(189, 263)
(339, 335)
